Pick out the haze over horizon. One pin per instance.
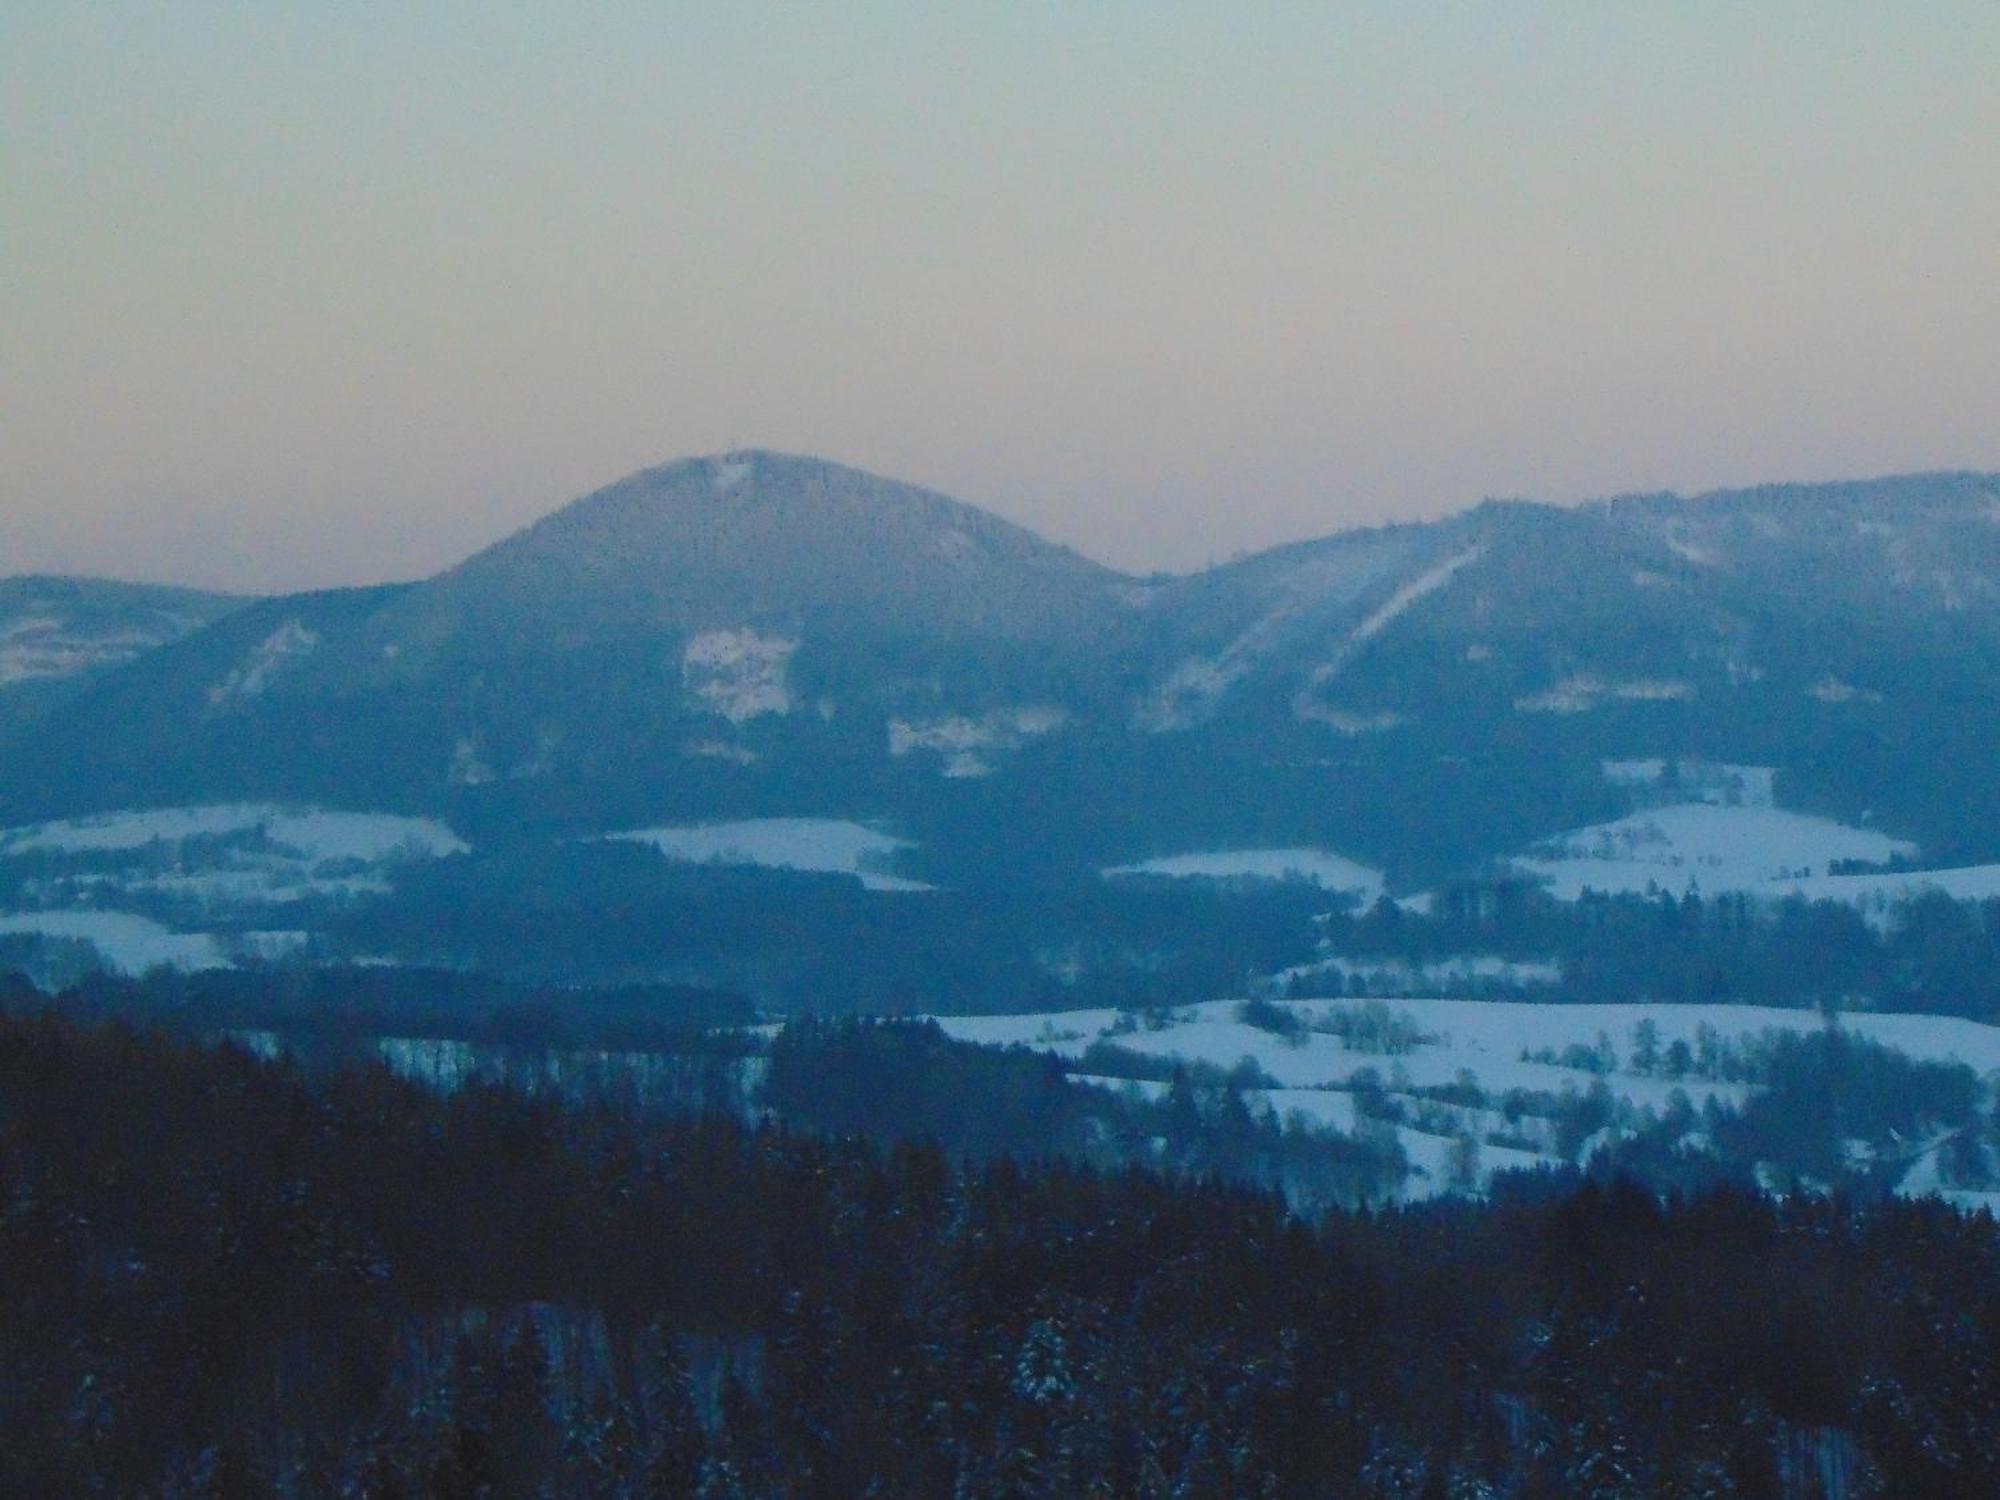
(299, 296)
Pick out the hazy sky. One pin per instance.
(301, 294)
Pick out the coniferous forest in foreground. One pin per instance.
(226, 1276)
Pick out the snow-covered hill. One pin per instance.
(1412, 1051)
(195, 887)
(746, 635)
(1706, 848)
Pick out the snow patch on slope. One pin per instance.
(821, 845)
(1306, 704)
(125, 942)
(40, 646)
(722, 750)
(1705, 847)
(278, 654)
(1426, 583)
(467, 768)
(965, 744)
(1876, 893)
(208, 865)
(1584, 691)
(1833, 690)
(1346, 721)
(1189, 694)
(1320, 866)
(1303, 590)
(1687, 551)
(308, 833)
(739, 675)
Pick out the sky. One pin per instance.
(300, 295)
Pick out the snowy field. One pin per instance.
(1726, 839)
(306, 833)
(1924, 1180)
(1433, 1042)
(1877, 893)
(199, 866)
(126, 944)
(827, 846)
(1334, 872)
(1712, 849)
(1753, 848)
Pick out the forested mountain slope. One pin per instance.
(756, 635)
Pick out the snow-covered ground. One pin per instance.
(282, 651)
(1728, 838)
(1333, 871)
(968, 747)
(42, 647)
(1877, 893)
(308, 833)
(824, 845)
(222, 860)
(1585, 691)
(1710, 848)
(125, 943)
(1484, 1037)
(201, 866)
(1427, 1043)
(1925, 1180)
(1420, 587)
(739, 675)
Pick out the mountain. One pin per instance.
(1847, 635)
(751, 632)
(1814, 591)
(59, 634)
(757, 635)
(762, 538)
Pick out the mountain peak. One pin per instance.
(731, 470)
(721, 540)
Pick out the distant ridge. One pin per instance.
(760, 634)
(59, 633)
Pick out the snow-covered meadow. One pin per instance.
(1706, 847)
(203, 874)
(1403, 1048)
(1705, 828)
(1717, 848)
(828, 846)
(1323, 867)
(307, 834)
